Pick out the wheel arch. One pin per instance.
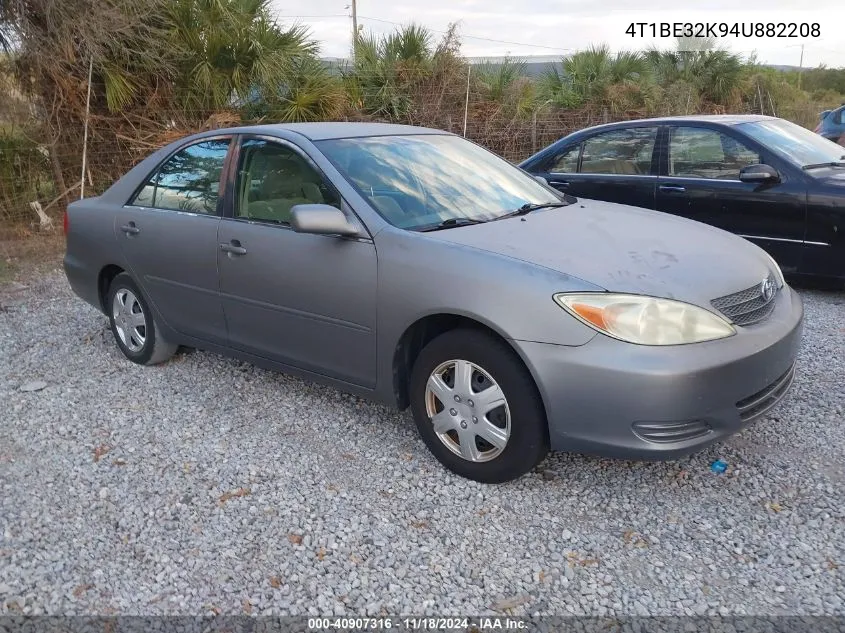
(104, 279)
(425, 329)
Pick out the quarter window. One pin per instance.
(188, 181)
(273, 178)
(624, 152)
(696, 152)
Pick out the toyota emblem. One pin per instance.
(767, 289)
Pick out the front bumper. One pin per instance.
(634, 401)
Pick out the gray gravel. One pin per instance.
(209, 486)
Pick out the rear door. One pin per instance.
(304, 300)
(168, 234)
(616, 165)
(700, 181)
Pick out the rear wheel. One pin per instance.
(477, 408)
(133, 324)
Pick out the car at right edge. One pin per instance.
(832, 124)
(768, 180)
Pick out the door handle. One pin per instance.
(672, 188)
(563, 184)
(233, 248)
(130, 229)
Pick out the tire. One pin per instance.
(521, 420)
(142, 344)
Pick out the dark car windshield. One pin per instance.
(420, 181)
(793, 142)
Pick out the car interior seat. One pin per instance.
(281, 189)
(609, 166)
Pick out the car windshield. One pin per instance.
(795, 143)
(421, 181)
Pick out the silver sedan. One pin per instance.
(411, 266)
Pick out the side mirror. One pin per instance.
(759, 174)
(321, 219)
(541, 180)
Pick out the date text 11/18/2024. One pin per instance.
(487, 623)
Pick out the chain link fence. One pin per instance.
(41, 166)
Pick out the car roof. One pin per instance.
(721, 119)
(328, 130)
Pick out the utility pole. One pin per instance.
(354, 28)
(800, 63)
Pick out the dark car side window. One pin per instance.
(273, 178)
(565, 161)
(187, 181)
(625, 152)
(696, 152)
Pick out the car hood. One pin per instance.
(624, 249)
(833, 177)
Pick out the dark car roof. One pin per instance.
(717, 119)
(721, 119)
(322, 131)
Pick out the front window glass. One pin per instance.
(419, 181)
(273, 178)
(796, 144)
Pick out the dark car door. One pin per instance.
(304, 300)
(700, 180)
(616, 165)
(168, 234)
(824, 248)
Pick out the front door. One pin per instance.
(304, 300)
(701, 182)
(168, 234)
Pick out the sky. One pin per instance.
(558, 27)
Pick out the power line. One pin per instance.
(476, 37)
(471, 37)
(311, 17)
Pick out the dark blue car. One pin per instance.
(832, 124)
(771, 181)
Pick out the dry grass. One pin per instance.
(24, 255)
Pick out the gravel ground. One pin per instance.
(209, 486)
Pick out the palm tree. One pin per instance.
(716, 73)
(385, 69)
(308, 92)
(228, 49)
(587, 75)
(498, 79)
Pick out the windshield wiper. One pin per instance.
(528, 207)
(819, 165)
(450, 223)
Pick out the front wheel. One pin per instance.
(477, 408)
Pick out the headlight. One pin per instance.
(645, 320)
(776, 270)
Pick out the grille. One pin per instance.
(747, 306)
(667, 432)
(761, 402)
